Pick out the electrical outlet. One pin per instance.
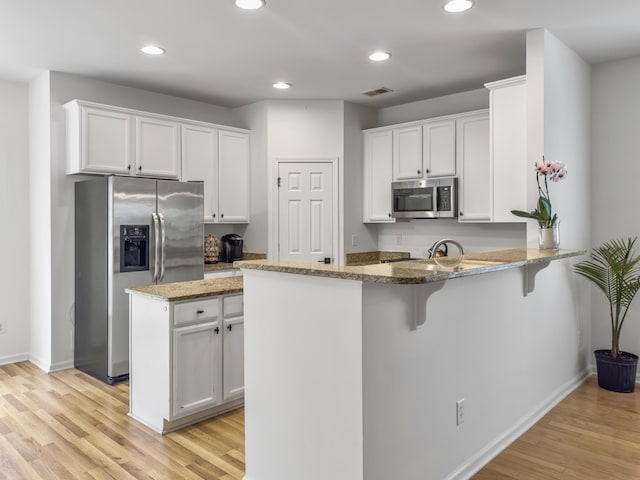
(354, 240)
(460, 412)
(3, 326)
(398, 239)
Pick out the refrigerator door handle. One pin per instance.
(156, 231)
(163, 234)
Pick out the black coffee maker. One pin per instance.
(231, 248)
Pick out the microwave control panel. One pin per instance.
(444, 198)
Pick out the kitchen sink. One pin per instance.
(446, 264)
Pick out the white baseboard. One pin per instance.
(19, 357)
(484, 456)
(56, 367)
(50, 367)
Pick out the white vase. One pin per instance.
(549, 238)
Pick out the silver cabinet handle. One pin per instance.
(156, 230)
(163, 234)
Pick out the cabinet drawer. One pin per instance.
(233, 306)
(197, 310)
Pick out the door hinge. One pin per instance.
(279, 180)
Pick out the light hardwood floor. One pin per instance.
(67, 425)
(591, 434)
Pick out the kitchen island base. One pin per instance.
(343, 384)
(187, 352)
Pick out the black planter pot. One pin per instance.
(616, 374)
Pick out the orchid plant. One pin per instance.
(554, 171)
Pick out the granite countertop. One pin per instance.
(174, 292)
(414, 272)
(218, 266)
(369, 258)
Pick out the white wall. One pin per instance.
(435, 107)
(14, 218)
(558, 112)
(417, 236)
(52, 206)
(254, 118)
(356, 118)
(40, 222)
(616, 170)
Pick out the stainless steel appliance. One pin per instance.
(425, 198)
(128, 232)
(231, 250)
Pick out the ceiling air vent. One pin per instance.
(377, 91)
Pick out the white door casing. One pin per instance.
(307, 216)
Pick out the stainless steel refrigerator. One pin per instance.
(128, 232)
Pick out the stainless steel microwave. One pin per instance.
(425, 198)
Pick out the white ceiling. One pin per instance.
(219, 54)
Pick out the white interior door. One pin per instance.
(305, 211)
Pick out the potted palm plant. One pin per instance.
(614, 268)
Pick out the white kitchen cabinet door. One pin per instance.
(196, 367)
(476, 175)
(233, 174)
(157, 147)
(378, 175)
(98, 140)
(439, 142)
(233, 358)
(200, 163)
(407, 153)
(507, 105)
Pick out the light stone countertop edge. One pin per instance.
(195, 289)
(416, 272)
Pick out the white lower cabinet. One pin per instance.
(186, 359)
(196, 372)
(233, 362)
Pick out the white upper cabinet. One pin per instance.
(378, 175)
(157, 147)
(98, 140)
(475, 185)
(233, 175)
(507, 106)
(220, 159)
(200, 163)
(439, 143)
(407, 153)
(104, 139)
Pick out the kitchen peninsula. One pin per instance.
(354, 372)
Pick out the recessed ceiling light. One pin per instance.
(379, 56)
(250, 4)
(458, 6)
(152, 50)
(281, 85)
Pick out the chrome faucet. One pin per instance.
(435, 248)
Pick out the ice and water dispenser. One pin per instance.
(134, 248)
